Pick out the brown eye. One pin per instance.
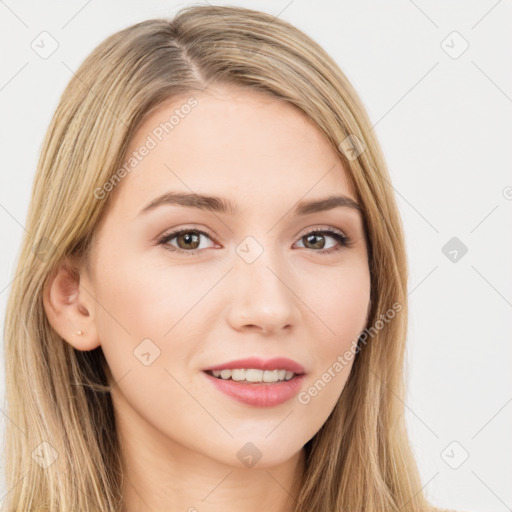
(317, 240)
(187, 241)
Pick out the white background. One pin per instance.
(444, 125)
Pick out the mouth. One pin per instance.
(256, 387)
(253, 375)
(257, 382)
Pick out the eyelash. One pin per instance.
(343, 240)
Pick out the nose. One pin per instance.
(262, 297)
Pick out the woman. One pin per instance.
(263, 370)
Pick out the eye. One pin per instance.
(317, 239)
(188, 240)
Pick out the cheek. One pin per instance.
(141, 298)
(147, 320)
(338, 300)
(339, 312)
(140, 304)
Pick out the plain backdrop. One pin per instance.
(436, 80)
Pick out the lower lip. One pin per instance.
(259, 395)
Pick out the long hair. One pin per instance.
(62, 451)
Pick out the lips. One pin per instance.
(258, 395)
(276, 363)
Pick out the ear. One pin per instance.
(70, 308)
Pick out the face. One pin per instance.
(184, 286)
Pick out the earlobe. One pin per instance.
(69, 309)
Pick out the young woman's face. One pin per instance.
(255, 284)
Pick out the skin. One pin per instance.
(179, 434)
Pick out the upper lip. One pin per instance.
(276, 363)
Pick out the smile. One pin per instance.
(253, 375)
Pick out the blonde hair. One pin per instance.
(361, 458)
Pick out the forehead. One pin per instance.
(233, 142)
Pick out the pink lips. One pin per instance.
(255, 394)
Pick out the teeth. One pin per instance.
(238, 374)
(254, 375)
(225, 374)
(270, 375)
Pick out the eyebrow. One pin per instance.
(221, 205)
